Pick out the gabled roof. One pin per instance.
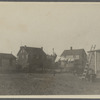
(73, 52)
(32, 50)
(7, 56)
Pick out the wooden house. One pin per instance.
(31, 58)
(7, 61)
(74, 58)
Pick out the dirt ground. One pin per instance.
(46, 84)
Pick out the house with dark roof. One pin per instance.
(74, 57)
(31, 58)
(7, 61)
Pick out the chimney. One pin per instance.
(53, 50)
(22, 47)
(71, 48)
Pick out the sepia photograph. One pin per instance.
(49, 48)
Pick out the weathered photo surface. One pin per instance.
(49, 48)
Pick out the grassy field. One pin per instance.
(46, 84)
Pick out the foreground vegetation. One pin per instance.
(46, 84)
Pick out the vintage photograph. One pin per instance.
(49, 48)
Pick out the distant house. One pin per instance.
(50, 60)
(31, 57)
(95, 60)
(7, 61)
(74, 57)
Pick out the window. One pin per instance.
(23, 50)
(69, 56)
(26, 56)
(77, 57)
(22, 56)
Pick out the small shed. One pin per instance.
(7, 61)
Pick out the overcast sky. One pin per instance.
(49, 25)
